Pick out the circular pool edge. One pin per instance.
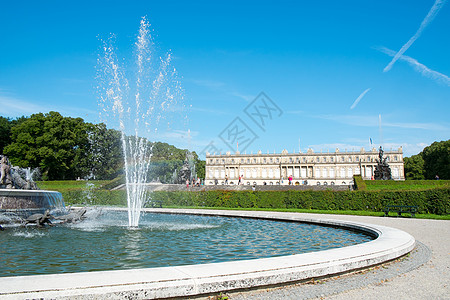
(190, 280)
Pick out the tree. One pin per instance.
(100, 154)
(436, 159)
(48, 141)
(5, 132)
(414, 167)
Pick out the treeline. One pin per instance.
(65, 148)
(433, 161)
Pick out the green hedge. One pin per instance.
(434, 201)
(359, 183)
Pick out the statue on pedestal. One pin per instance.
(382, 169)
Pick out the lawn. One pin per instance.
(390, 185)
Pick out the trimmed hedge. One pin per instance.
(359, 183)
(434, 201)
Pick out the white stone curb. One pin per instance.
(192, 280)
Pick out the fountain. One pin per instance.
(19, 195)
(138, 110)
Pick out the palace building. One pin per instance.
(308, 168)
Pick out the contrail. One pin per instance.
(359, 98)
(421, 68)
(430, 16)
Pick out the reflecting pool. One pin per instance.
(104, 241)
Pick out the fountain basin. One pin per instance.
(192, 280)
(26, 202)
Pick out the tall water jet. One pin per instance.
(138, 109)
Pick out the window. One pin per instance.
(290, 159)
(332, 159)
(304, 159)
(232, 160)
(297, 160)
(317, 159)
(248, 160)
(278, 160)
(264, 173)
(254, 160)
(342, 159)
(357, 158)
(265, 160)
(271, 160)
(350, 159)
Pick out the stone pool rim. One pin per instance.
(190, 280)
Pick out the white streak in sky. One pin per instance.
(421, 68)
(359, 98)
(430, 16)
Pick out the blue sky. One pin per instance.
(320, 62)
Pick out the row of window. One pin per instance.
(296, 173)
(324, 159)
(302, 182)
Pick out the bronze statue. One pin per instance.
(382, 169)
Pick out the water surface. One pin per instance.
(105, 242)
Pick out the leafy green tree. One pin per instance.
(200, 168)
(414, 167)
(5, 132)
(100, 154)
(436, 159)
(48, 141)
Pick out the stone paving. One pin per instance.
(424, 274)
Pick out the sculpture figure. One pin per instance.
(11, 177)
(73, 217)
(39, 219)
(382, 169)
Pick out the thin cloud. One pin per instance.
(219, 86)
(13, 107)
(210, 111)
(359, 98)
(372, 121)
(430, 16)
(421, 68)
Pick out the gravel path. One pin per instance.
(424, 274)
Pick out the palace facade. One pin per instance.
(308, 168)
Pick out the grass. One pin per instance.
(69, 185)
(390, 185)
(318, 211)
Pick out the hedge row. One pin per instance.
(434, 201)
(359, 183)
